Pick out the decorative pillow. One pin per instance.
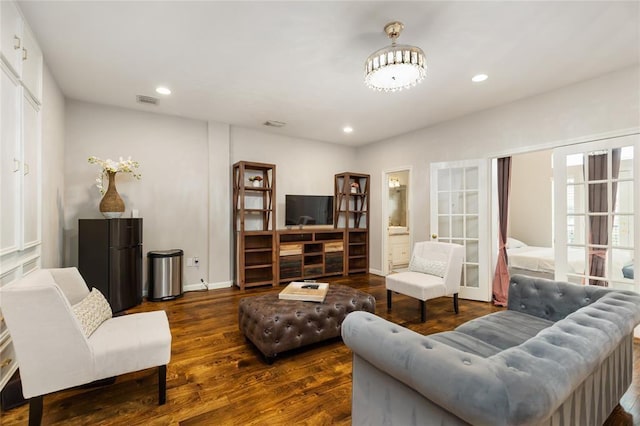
(92, 311)
(426, 266)
(512, 243)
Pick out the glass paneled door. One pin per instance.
(596, 199)
(459, 214)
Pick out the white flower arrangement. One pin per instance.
(108, 165)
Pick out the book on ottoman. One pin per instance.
(307, 292)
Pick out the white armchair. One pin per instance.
(434, 271)
(52, 350)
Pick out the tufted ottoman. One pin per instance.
(275, 325)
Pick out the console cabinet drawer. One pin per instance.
(333, 247)
(290, 249)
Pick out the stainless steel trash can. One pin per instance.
(165, 274)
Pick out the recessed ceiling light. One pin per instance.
(347, 129)
(479, 78)
(163, 90)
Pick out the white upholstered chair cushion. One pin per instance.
(113, 341)
(417, 285)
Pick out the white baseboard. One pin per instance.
(210, 286)
(376, 272)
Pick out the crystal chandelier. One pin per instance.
(394, 67)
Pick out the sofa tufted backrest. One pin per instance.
(550, 300)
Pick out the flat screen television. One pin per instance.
(308, 210)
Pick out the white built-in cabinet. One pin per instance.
(21, 68)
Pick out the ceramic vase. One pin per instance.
(257, 183)
(112, 205)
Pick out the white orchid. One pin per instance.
(108, 165)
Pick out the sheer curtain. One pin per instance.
(598, 203)
(501, 276)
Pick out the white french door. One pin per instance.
(596, 225)
(459, 214)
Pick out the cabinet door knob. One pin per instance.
(26, 169)
(16, 42)
(24, 54)
(434, 236)
(16, 165)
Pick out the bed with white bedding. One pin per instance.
(540, 261)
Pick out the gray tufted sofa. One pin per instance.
(561, 354)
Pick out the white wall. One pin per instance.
(53, 135)
(530, 209)
(604, 104)
(172, 196)
(303, 166)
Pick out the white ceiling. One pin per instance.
(302, 62)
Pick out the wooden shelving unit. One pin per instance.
(307, 254)
(254, 224)
(352, 214)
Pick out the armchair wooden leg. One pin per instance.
(455, 303)
(389, 292)
(35, 410)
(423, 310)
(162, 384)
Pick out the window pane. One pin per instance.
(472, 275)
(576, 229)
(443, 180)
(472, 227)
(457, 226)
(626, 163)
(575, 169)
(624, 197)
(472, 202)
(457, 202)
(443, 226)
(576, 260)
(471, 174)
(597, 197)
(622, 231)
(443, 203)
(575, 199)
(472, 251)
(457, 179)
(622, 268)
(597, 165)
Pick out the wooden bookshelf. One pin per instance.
(254, 216)
(352, 213)
(310, 253)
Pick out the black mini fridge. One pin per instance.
(110, 259)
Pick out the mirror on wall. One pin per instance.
(398, 206)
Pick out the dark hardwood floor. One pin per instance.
(216, 378)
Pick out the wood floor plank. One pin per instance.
(216, 377)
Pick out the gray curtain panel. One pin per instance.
(598, 203)
(501, 276)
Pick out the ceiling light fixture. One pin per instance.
(479, 78)
(394, 67)
(347, 129)
(163, 90)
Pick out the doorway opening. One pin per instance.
(396, 252)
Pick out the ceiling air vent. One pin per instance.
(147, 99)
(273, 123)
